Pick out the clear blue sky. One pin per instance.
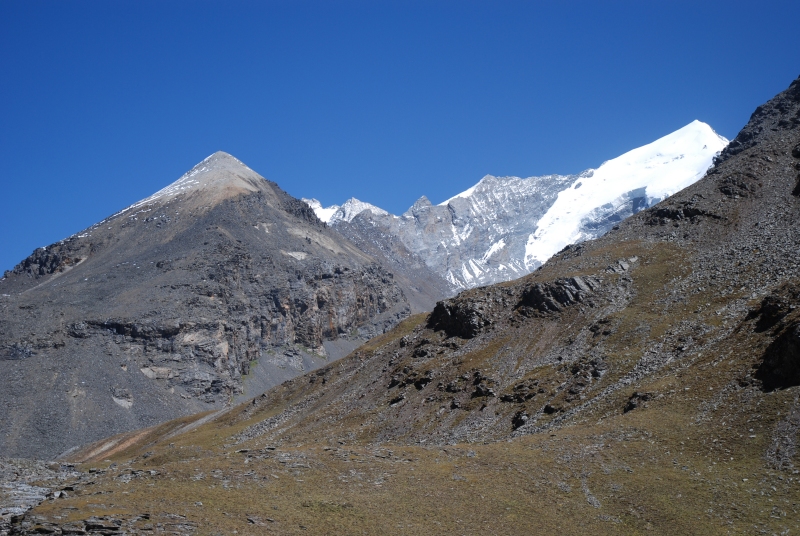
(104, 103)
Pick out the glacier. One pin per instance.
(646, 175)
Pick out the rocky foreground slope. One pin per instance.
(216, 287)
(646, 381)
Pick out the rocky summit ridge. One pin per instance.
(504, 227)
(212, 289)
(217, 176)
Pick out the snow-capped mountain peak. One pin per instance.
(649, 173)
(504, 227)
(345, 212)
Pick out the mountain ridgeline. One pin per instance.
(644, 381)
(216, 287)
(710, 275)
(505, 227)
(221, 285)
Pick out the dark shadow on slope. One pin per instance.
(781, 365)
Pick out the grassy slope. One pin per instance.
(644, 471)
(692, 461)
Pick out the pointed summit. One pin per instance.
(419, 204)
(218, 176)
(222, 161)
(214, 275)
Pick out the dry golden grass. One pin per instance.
(690, 460)
(645, 472)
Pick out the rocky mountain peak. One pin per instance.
(419, 204)
(221, 163)
(352, 208)
(217, 286)
(217, 177)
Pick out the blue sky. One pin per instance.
(104, 103)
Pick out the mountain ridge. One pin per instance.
(212, 289)
(505, 227)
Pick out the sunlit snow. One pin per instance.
(531, 219)
(322, 213)
(346, 212)
(466, 193)
(497, 246)
(661, 168)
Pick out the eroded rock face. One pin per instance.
(775, 306)
(687, 210)
(44, 262)
(781, 365)
(458, 318)
(421, 284)
(470, 313)
(166, 308)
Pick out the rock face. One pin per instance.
(219, 284)
(421, 284)
(504, 227)
(779, 314)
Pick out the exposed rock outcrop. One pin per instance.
(554, 296)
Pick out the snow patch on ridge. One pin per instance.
(466, 193)
(322, 213)
(497, 246)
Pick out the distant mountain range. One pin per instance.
(505, 227)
